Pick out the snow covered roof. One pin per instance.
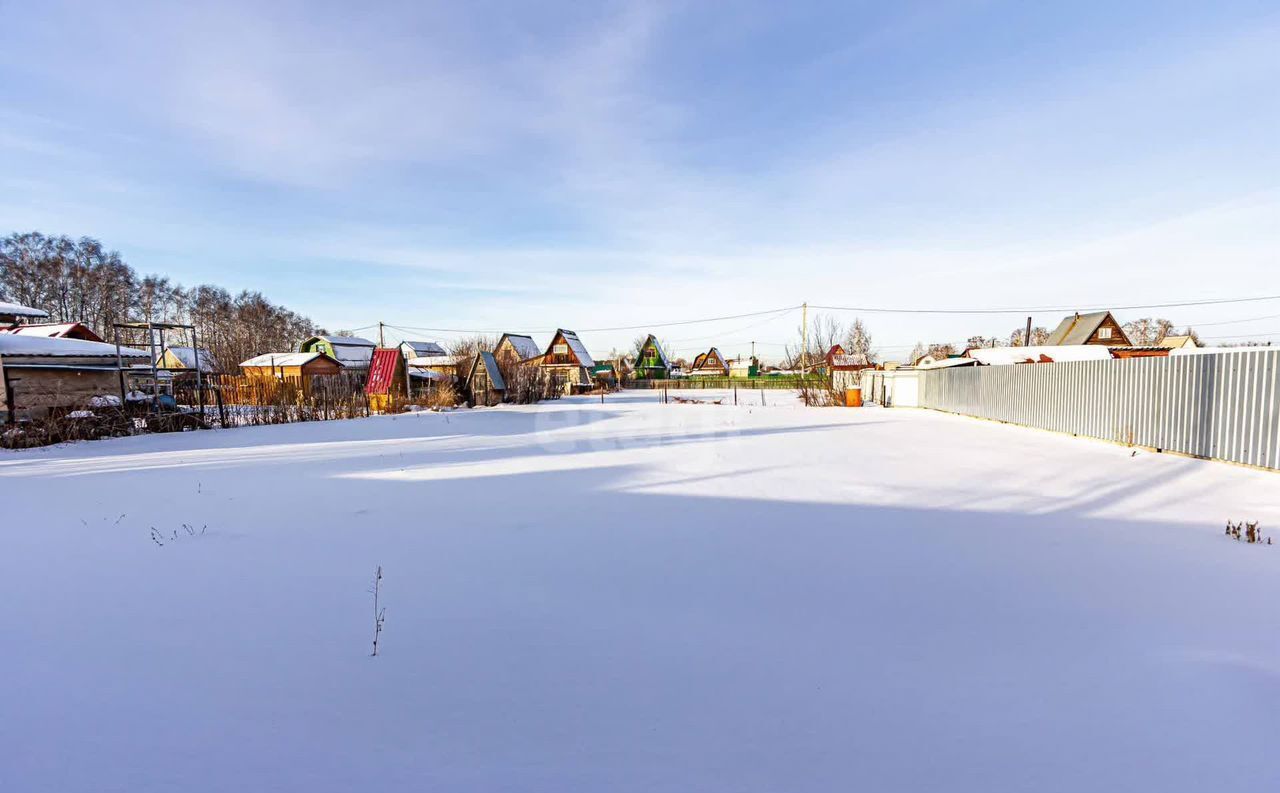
(187, 357)
(351, 351)
(662, 354)
(579, 349)
(283, 359)
(14, 344)
(946, 363)
(427, 374)
(17, 310)
(55, 330)
(1178, 342)
(490, 364)
(524, 346)
(1045, 353)
(1078, 328)
(434, 361)
(421, 349)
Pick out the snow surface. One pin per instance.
(633, 596)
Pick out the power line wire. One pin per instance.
(1035, 309)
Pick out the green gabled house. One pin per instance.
(652, 363)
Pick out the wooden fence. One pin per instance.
(782, 382)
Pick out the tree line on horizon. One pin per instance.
(80, 280)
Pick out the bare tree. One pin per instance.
(1018, 338)
(857, 340)
(81, 281)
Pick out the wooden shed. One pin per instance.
(299, 366)
(43, 376)
(484, 382)
(387, 379)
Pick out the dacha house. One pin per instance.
(568, 363)
(353, 352)
(651, 362)
(1098, 327)
(710, 364)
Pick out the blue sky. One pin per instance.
(534, 165)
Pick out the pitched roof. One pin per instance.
(657, 346)
(704, 360)
(14, 344)
(576, 345)
(490, 364)
(382, 371)
(55, 330)
(1078, 328)
(187, 357)
(524, 346)
(17, 310)
(421, 349)
(350, 351)
(285, 359)
(1178, 342)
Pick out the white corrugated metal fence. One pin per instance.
(1222, 406)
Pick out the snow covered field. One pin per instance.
(636, 597)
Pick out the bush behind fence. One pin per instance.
(788, 382)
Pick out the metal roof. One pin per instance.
(18, 345)
(382, 371)
(490, 364)
(1077, 329)
(273, 359)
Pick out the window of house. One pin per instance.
(1104, 333)
(560, 349)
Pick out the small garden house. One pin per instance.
(651, 362)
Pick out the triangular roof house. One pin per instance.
(651, 362)
(1097, 327)
(567, 358)
(711, 363)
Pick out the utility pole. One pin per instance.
(1026, 340)
(381, 341)
(753, 350)
(804, 336)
